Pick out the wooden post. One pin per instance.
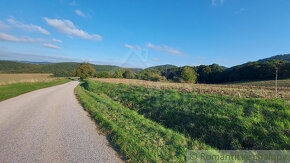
(276, 82)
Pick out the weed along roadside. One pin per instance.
(138, 138)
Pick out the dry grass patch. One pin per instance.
(25, 78)
(239, 90)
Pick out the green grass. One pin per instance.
(222, 122)
(136, 137)
(12, 90)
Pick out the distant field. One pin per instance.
(268, 83)
(12, 90)
(25, 78)
(12, 85)
(236, 90)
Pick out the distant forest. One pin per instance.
(264, 69)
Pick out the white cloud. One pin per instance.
(7, 37)
(133, 47)
(157, 48)
(217, 2)
(51, 46)
(129, 46)
(67, 27)
(165, 48)
(56, 40)
(80, 13)
(28, 27)
(172, 51)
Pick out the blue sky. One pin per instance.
(143, 33)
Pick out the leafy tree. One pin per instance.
(118, 74)
(128, 74)
(103, 74)
(188, 75)
(85, 70)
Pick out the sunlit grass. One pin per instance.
(25, 78)
(233, 90)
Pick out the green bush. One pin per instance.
(103, 74)
(118, 74)
(129, 74)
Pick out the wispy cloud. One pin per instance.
(165, 48)
(28, 27)
(73, 3)
(132, 46)
(7, 37)
(80, 13)
(217, 2)
(155, 59)
(129, 46)
(240, 11)
(51, 46)
(67, 27)
(155, 47)
(56, 40)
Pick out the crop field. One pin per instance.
(198, 120)
(267, 83)
(12, 85)
(25, 78)
(237, 90)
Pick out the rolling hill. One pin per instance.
(285, 57)
(56, 68)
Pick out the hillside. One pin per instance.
(285, 57)
(60, 69)
(161, 67)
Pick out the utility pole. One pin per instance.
(276, 82)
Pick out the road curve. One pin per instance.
(49, 125)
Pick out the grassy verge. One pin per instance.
(137, 138)
(12, 90)
(220, 121)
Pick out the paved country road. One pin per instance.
(49, 125)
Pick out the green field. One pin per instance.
(12, 90)
(136, 137)
(220, 122)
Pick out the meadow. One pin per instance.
(25, 78)
(204, 121)
(247, 89)
(12, 85)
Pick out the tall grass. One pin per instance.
(248, 91)
(138, 138)
(220, 121)
(25, 78)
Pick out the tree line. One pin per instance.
(210, 74)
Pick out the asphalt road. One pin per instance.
(49, 125)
